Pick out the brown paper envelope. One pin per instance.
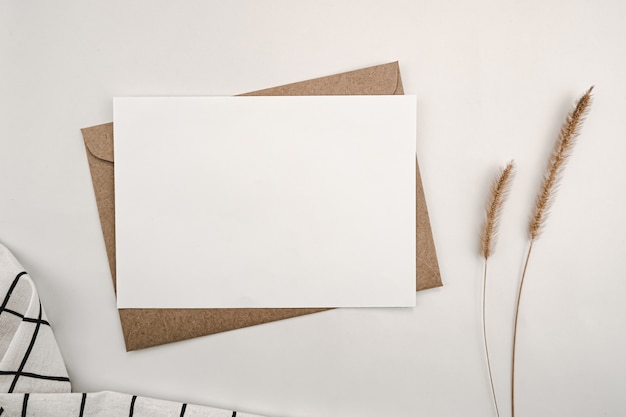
(150, 327)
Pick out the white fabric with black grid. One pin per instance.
(33, 378)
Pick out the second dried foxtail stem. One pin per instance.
(560, 154)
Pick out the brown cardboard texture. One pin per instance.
(150, 327)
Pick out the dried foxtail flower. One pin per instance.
(562, 150)
(499, 191)
(497, 196)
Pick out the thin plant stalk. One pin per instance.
(558, 159)
(485, 344)
(519, 297)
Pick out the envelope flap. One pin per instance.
(99, 141)
(357, 82)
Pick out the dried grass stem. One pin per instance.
(562, 150)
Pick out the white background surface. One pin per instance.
(493, 79)
(265, 201)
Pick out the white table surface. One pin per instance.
(494, 80)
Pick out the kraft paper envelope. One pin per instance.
(151, 327)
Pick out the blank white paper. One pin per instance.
(265, 201)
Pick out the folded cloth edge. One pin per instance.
(33, 377)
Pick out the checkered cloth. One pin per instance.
(33, 378)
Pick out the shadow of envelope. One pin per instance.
(151, 327)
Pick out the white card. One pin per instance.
(265, 201)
